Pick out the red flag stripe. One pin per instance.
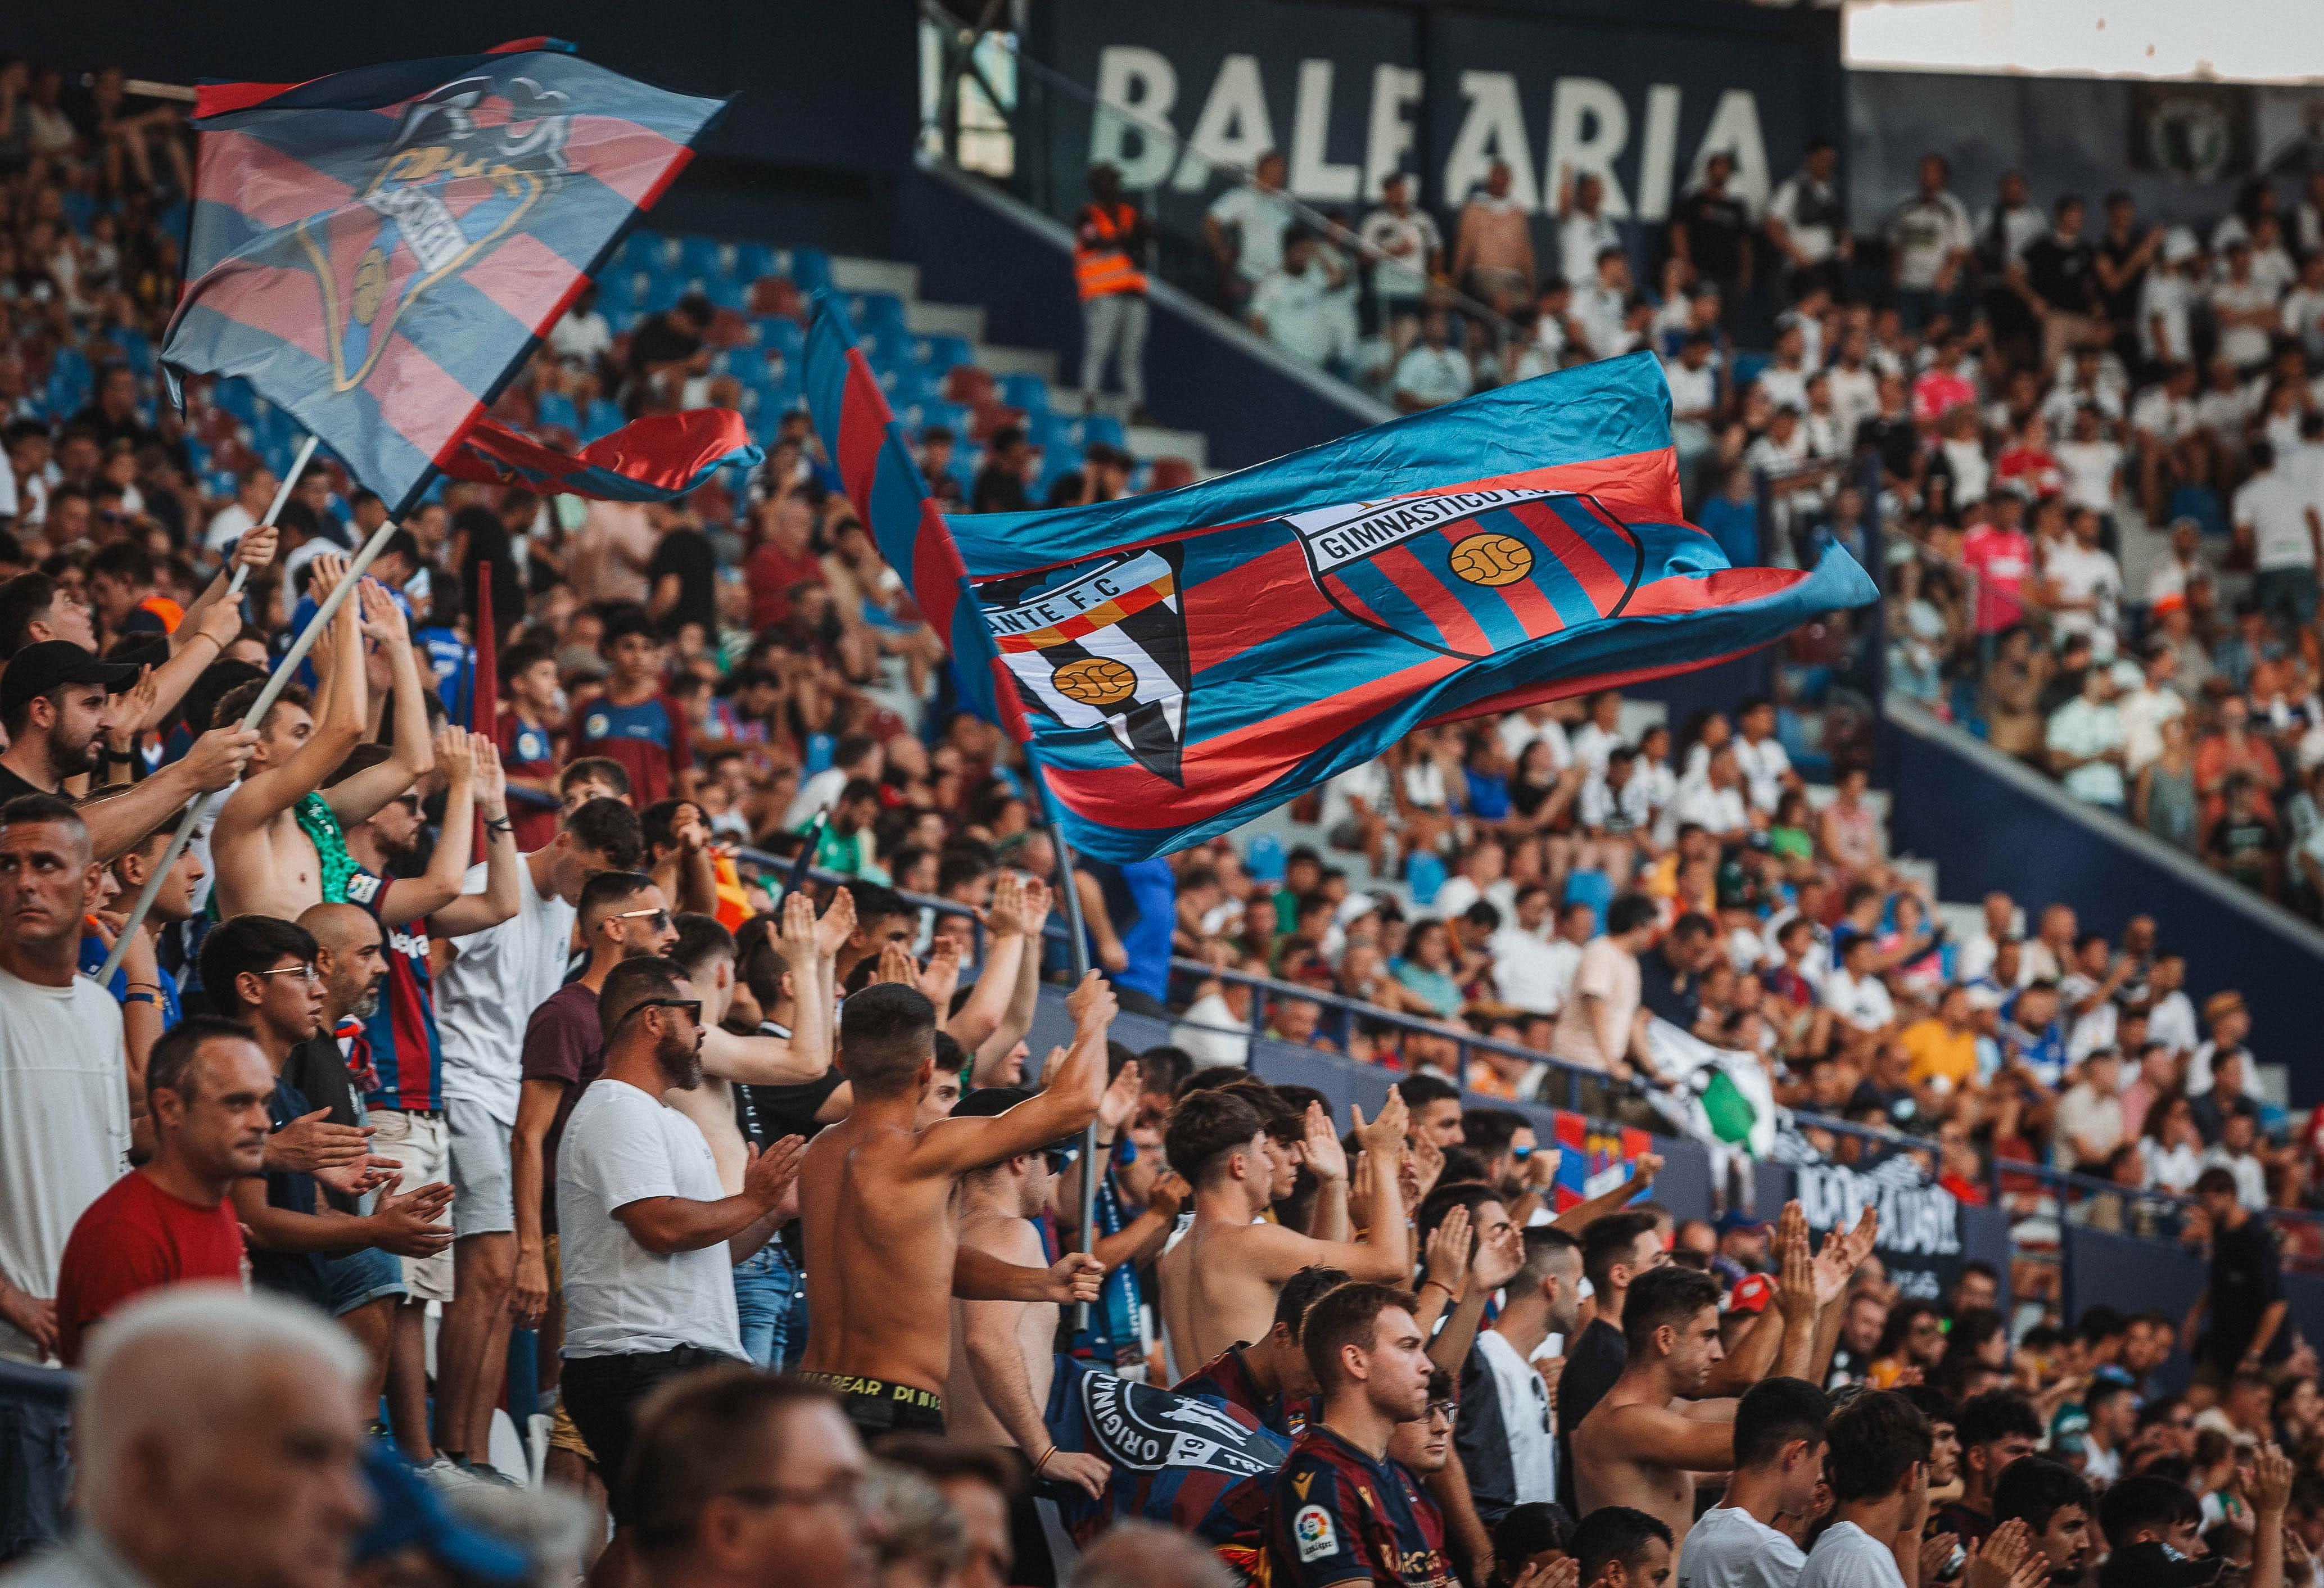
(1424, 590)
(862, 426)
(1600, 583)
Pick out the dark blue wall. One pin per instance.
(1984, 832)
(969, 253)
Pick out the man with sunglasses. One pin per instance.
(648, 1235)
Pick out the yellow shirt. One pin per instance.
(1936, 1054)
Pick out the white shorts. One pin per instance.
(423, 1147)
(484, 1200)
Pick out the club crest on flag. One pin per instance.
(467, 163)
(1469, 573)
(1101, 644)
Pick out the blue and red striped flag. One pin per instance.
(656, 458)
(1183, 663)
(379, 251)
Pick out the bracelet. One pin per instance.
(141, 998)
(503, 824)
(1044, 1461)
(149, 986)
(1441, 1285)
(120, 757)
(204, 635)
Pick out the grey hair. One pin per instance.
(174, 1355)
(922, 1524)
(1135, 1554)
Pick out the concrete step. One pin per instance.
(876, 275)
(1074, 400)
(945, 319)
(1019, 361)
(1154, 441)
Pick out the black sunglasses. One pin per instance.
(1061, 1158)
(693, 1007)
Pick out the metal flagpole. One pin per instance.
(1079, 947)
(251, 719)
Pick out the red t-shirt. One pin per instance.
(2003, 560)
(136, 1238)
(770, 573)
(528, 752)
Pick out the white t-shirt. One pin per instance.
(488, 992)
(2166, 297)
(1729, 1547)
(2085, 573)
(1719, 812)
(1433, 375)
(1407, 240)
(1763, 766)
(580, 338)
(1527, 972)
(1863, 1003)
(2276, 509)
(2090, 467)
(1846, 1556)
(228, 526)
(64, 1127)
(2242, 346)
(1518, 731)
(621, 1146)
(1692, 391)
(1581, 239)
(1925, 232)
(1259, 220)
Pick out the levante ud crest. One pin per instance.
(467, 163)
(1472, 573)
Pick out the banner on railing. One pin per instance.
(1594, 1159)
(1920, 1221)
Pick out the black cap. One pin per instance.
(2155, 1564)
(988, 1101)
(51, 664)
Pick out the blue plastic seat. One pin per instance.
(942, 353)
(880, 312)
(1027, 392)
(950, 415)
(79, 208)
(754, 260)
(705, 256)
(724, 292)
(236, 398)
(1105, 427)
(644, 251)
(1594, 888)
(662, 289)
(555, 409)
(906, 383)
(809, 267)
(604, 418)
(782, 335)
(69, 363)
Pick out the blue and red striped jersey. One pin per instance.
(1227, 1378)
(647, 737)
(1339, 1516)
(407, 1057)
(1183, 661)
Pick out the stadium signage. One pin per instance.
(1920, 1222)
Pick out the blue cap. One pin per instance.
(411, 1512)
(1734, 1219)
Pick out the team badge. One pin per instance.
(1311, 1527)
(1102, 645)
(1472, 573)
(468, 162)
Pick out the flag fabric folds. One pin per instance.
(652, 459)
(1184, 661)
(1176, 1459)
(378, 249)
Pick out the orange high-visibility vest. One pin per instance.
(1102, 269)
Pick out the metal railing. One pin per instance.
(2154, 1214)
(1037, 133)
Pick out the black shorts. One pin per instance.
(876, 1406)
(602, 1394)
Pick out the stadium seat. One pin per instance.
(1170, 473)
(943, 352)
(778, 295)
(906, 383)
(1027, 392)
(604, 418)
(777, 335)
(555, 409)
(1747, 367)
(990, 416)
(644, 251)
(809, 267)
(724, 292)
(878, 313)
(1105, 427)
(707, 257)
(753, 260)
(1594, 888)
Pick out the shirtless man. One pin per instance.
(876, 1205)
(1004, 1352)
(1639, 1446)
(1219, 1282)
(263, 859)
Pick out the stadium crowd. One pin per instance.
(437, 1034)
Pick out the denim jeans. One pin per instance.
(766, 1290)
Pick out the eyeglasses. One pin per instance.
(693, 1007)
(1061, 1158)
(1446, 1409)
(305, 973)
(656, 919)
(844, 1492)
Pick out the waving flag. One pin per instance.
(1176, 1459)
(650, 459)
(1182, 662)
(378, 251)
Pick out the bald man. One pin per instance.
(218, 1435)
(350, 966)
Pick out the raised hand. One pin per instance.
(1075, 1277)
(220, 757)
(324, 573)
(1448, 1252)
(1498, 1258)
(897, 965)
(2271, 1483)
(1120, 1100)
(1092, 1004)
(406, 1225)
(484, 768)
(768, 1174)
(794, 932)
(133, 711)
(1423, 1166)
(452, 754)
(382, 618)
(1643, 1173)
(1795, 1287)
(1034, 911)
(221, 623)
(256, 547)
(1996, 1563)
(1384, 1135)
(838, 925)
(1935, 1552)
(1167, 1196)
(941, 978)
(1566, 1572)
(1005, 917)
(1325, 1158)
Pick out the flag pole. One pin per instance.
(1079, 949)
(251, 719)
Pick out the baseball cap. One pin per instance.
(1752, 1295)
(1734, 1219)
(411, 1512)
(53, 663)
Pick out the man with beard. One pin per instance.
(57, 703)
(623, 916)
(649, 1237)
(350, 967)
